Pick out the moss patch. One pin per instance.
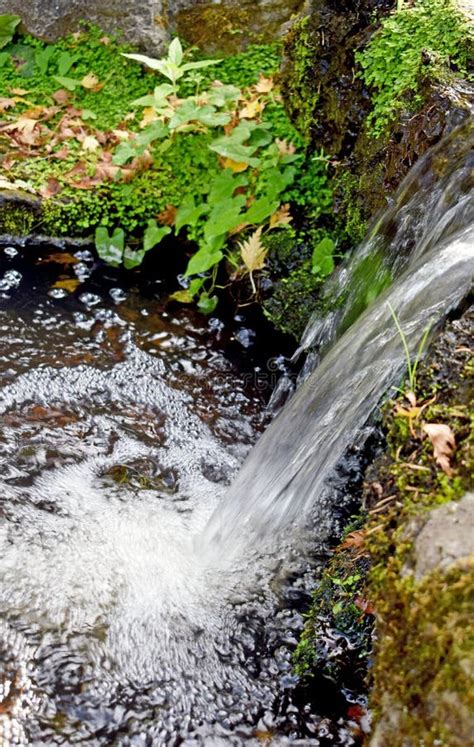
(421, 670)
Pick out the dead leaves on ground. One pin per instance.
(444, 443)
(441, 435)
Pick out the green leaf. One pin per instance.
(190, 111)
(152, 62)
(65, 62)
(322, 259)
(207, 303)
(223, 95)
(224, 217)
(8, 24)
(198, 65)
(195, 286)
(260, 210)
(227, 148)
(70, 83)
(110, 248)
(43, 57)
(132, 258)
(154, 234)
(188, 213)
(24, 56)
(175, 52)
(87, 114)
(224, 186)
(203, 260)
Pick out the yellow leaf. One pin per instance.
(264, 85)
(90, 82)
(252, 109)
(253, 253)
(182, 296)
(282, 217)
(149, 115)
(19, 91)
(90, 144)
(442, 438)
(70, 284)
(235, 166)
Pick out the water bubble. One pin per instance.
(117, 294)
(57, 293)
(10, 280)
(90, 299)
(10, 251)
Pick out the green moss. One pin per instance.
(300, 98)
(424, 38)
(422, 667)
(16, 219)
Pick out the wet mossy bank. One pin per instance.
(375, 86)
(398, 593)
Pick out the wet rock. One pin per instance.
(446, 538)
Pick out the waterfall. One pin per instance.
(416, 260)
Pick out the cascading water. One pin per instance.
(142, 603)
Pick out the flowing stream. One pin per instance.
(143, 601)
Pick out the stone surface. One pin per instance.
(446, 538)
(226, 25)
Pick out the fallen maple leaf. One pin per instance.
(252, 109)
(282, 217)
(444, 443)
(264, 85)
(62, 96)
(51, 188)
(253, 254)
(90, 144)
(91, 83)
(354, 541)
(284, 147)
(167, 217)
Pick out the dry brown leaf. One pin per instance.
(282, 217)
(19, 91)
(444, 443)
(253, 252)
(264, 85)
(90, 144)
(6, 103)
(91, 82)
(355, 540)
(167, 217)
(70, 284)
(60, 258)
(284, 147)
(51, 188)
(61, 96)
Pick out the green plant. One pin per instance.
(8, 24)
(414, 39)
(254, 167)
(412, 365)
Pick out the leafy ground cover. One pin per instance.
(180, 146)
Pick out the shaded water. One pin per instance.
(121, 427)
(143, 602)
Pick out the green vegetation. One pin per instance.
(216, 162)
(421, 669)
(418, 40)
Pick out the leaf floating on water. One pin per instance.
(70, 284)
(444, 443)
(61, 258)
